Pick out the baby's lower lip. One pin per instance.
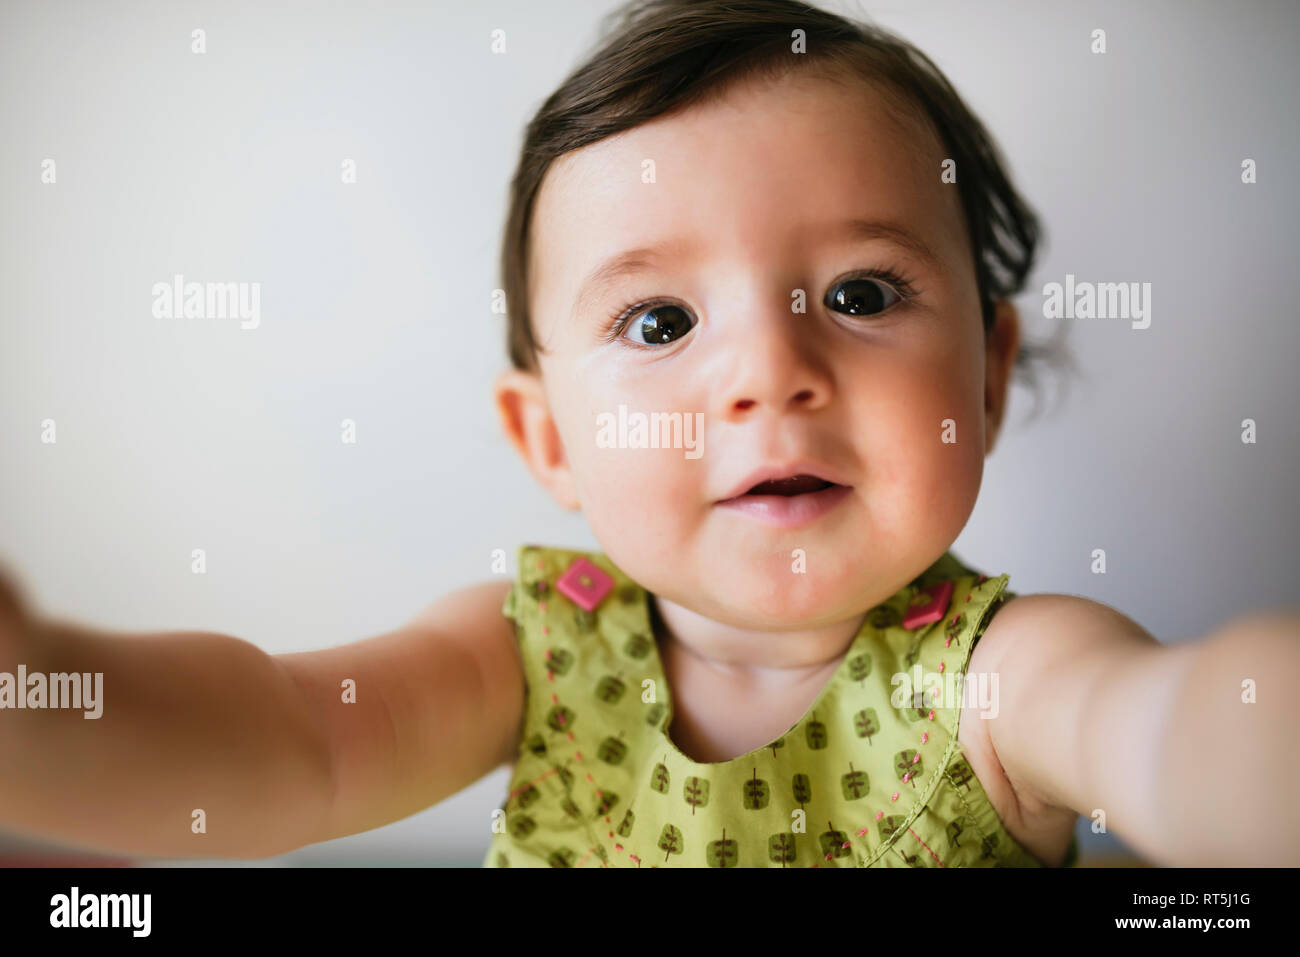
(788, 511)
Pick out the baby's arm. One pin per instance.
(1096, 715)
(264, 745)
(440, 703)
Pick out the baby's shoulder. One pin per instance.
(1029, 630)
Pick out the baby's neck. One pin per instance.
(762, 658)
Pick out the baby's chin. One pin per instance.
(782, 589)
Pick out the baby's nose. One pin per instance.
(773, 369)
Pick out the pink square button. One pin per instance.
(584, 583)
(928, 605)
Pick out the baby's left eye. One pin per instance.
(861, 296)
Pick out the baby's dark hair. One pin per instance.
(658, 56)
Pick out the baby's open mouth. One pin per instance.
(791, 502)
(794, 485)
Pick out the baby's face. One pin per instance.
(751, 199)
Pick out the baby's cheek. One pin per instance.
(638, 496)
(923, 456)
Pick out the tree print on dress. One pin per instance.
(654, 713)
(890, 825)
(670, 841)
(866, 723)
(855, 784)
(860, 667)
(834, 843)
(957, 828)
(755, 793)
(560, 718)
(558, 661)
(610, 689)
(911, 860)
(723, 853)
(521, 825)
(988, 846)
(815, 734)
(612, 750)
(953, 628)
(908, 766)
(659, 777)
(912, 714)
(801, 786)
(636, 646)
(960, 772)
(625, 826)
(884, 617)
(696, 792)
(781, 848)
(561, 858)
(778, 743)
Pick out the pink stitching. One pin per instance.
(925, 845)
(530, 783)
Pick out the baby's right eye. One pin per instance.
(658, 325)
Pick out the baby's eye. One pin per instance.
(659, 325)
(861, 296)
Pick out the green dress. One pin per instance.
(857, 782)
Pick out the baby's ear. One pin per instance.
(528, 424)
(1002, 344)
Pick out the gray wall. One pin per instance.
(175, 434)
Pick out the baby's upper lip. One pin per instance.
(769, 473)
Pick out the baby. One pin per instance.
(760, 217)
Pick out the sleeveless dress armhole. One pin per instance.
(1072, 852)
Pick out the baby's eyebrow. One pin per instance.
(866, 229)
(632, 261)
(625, 264)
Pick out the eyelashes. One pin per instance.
(899, 284)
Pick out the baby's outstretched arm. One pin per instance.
(265, 746)
(1185, 749)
